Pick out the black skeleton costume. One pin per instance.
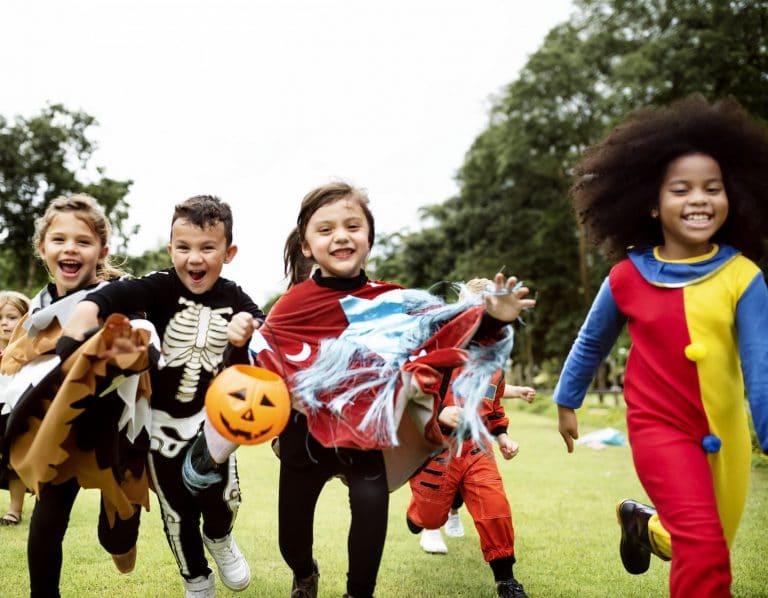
(193, 330)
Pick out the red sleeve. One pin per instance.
(494, 415)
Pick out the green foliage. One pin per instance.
(149, 261)
(270, 302)
(42, 157)
(512, 207)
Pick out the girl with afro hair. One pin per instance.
(679, 196)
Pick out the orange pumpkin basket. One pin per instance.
(248, 404)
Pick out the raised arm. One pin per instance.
(506, 302)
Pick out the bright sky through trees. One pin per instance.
(258, 101)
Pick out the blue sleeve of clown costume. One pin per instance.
(752, 331)
(593, 343)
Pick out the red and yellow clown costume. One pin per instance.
(475, 474)
(699, 330)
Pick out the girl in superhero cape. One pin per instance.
(679, 195)
(362, 359)
(76, 415)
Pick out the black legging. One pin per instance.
(47, 526)
(300, 487)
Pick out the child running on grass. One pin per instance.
(470, 471)
(61, 436)
(190, 305)
(431, 540)
(328, 433)
(679, 194)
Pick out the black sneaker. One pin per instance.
(634, 547)
(307, 587)
(510, 588)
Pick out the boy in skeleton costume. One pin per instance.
(190, 305)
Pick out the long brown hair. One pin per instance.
(297, 266)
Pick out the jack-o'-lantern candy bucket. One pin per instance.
(248, 404)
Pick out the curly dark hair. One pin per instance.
(618, 180)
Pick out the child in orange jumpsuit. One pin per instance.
(470, 468)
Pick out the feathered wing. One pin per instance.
(88, 418)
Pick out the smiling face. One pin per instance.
(693, 206)
(337, 238)
(9, 316)
(199, 254)
(71, 251)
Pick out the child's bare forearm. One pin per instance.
(84, 318)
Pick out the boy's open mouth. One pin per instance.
(196, 275)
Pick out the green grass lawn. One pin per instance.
(563, 510)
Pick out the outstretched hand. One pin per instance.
(519, 392)
(120, 337)
(507, 300)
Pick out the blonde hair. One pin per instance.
(87, 209)
(476, 286)
(18, 300)
(473, 290)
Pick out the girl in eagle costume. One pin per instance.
(76, 415)
(363, 361)
(681, 194)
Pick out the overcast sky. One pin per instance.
(259, 101)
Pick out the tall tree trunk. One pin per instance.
(31, 269)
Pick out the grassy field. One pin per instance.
(563, 510)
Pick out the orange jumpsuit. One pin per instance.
(475, 474)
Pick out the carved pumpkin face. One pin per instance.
(248, 404)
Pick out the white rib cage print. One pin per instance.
(195, 338)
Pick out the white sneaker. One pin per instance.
(201, 587)
(233, 568)
(431, 541)
(454, 527)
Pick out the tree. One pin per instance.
(512, 208)
(151, 260)
(42, 157)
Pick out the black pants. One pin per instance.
(49, 522)
(182, 511)
(305, 467)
